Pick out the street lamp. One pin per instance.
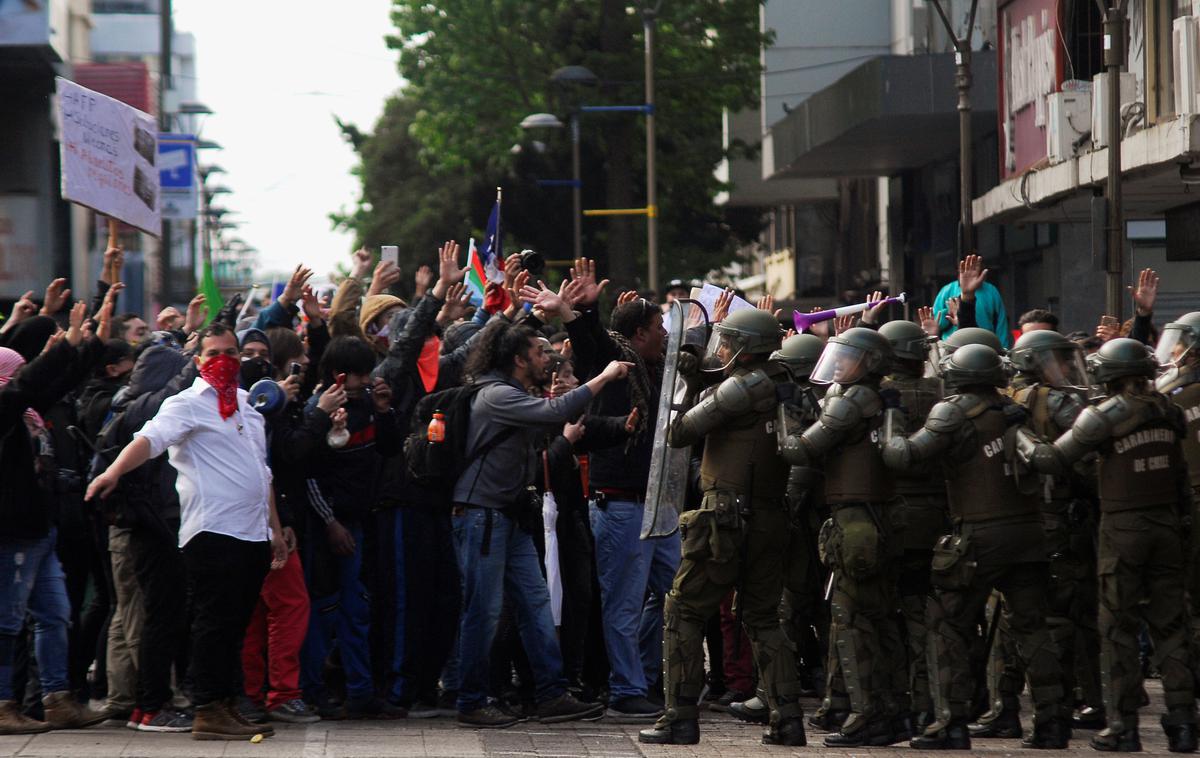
(550, 121)
(194, 109)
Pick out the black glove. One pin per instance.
(229, 312)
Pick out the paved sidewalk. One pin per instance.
(722, 737)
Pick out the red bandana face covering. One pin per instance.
(221, 373)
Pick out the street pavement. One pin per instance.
(721, 737)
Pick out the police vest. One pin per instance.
(855, 471)
(918, 395)
(1139, 465)
(1037, 400)
(981, 476)
(743, 448)
(1188, 399)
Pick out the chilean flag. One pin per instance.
(486, 264)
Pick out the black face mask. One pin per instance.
(254, 369)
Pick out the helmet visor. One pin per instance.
(723, 349)
(840, 364)
(1173, 346)
(1064, 367)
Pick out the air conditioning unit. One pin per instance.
(1068, 119)
(1100, 104)
(1186, 59)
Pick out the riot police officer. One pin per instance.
(921, 517)
(1178, 352)
(1145, 504)
(856, 540)
(801, 608)
(1052, 384)
(737, 537)
(997, 544)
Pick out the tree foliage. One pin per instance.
(474, 68)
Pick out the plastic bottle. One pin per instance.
(437, 428)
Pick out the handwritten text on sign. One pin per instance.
(108, 155)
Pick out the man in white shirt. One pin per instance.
(228, 533)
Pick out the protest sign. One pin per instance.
(109, 150)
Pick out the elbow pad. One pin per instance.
(734, 397)
(1037, 454)
(1092, 429)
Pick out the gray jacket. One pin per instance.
(497, 478)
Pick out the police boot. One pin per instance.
(1180, 726)
(752, 711)
(939, 736)
(1088, 717)
(788, 732)
(859, 731)
(1050, 735)
(1109, 740)
(904, 728)
(1005, 725)
(678, 726)
(828, 720)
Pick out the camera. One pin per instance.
(532, 261)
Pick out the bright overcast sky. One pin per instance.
(275, 72)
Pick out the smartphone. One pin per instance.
(340, 379)
(390, 253)
(295, 369)
(1110, 321)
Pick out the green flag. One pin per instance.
(212, 294)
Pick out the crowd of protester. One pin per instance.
(189, 554)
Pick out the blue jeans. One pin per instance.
(626, 567)
(346, 615)
(32, 581)
(505, 564)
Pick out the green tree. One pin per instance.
(475, 68)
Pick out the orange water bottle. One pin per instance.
(437, 428)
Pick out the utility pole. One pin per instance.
(649, 18)
(158, 272)
(1114, 59)
(962, 81)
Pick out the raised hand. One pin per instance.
(295, 285)
(1108, 328)
(332, 399)
(871, 315)
(57, 295)
(104, 316)
(168, 318)
(110, 269)
(75, 330)
(514, 293)
(927, 321)
(546, 299)
(584, 271)
(197, 311)
(386, 274)
(448, 269)
(458, 301)
(842, 323)
(312, 306)
(971, 275)
(363, 263)
(628, 296)
(422, 281)
(22, 309)
(721, 306)
(952, 306)
(1146, 292)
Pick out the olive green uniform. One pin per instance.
(857, 544)
(998, 544)
(919, 519)
(736, 538)
(1145, 500)
(1187, 397)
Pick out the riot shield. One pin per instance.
(666, 489)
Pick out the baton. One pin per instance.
(805, 320)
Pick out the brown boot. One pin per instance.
(63, 711)
(12, 721)
(266, 730)
(214, 722)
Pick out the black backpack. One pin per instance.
(437, 465)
